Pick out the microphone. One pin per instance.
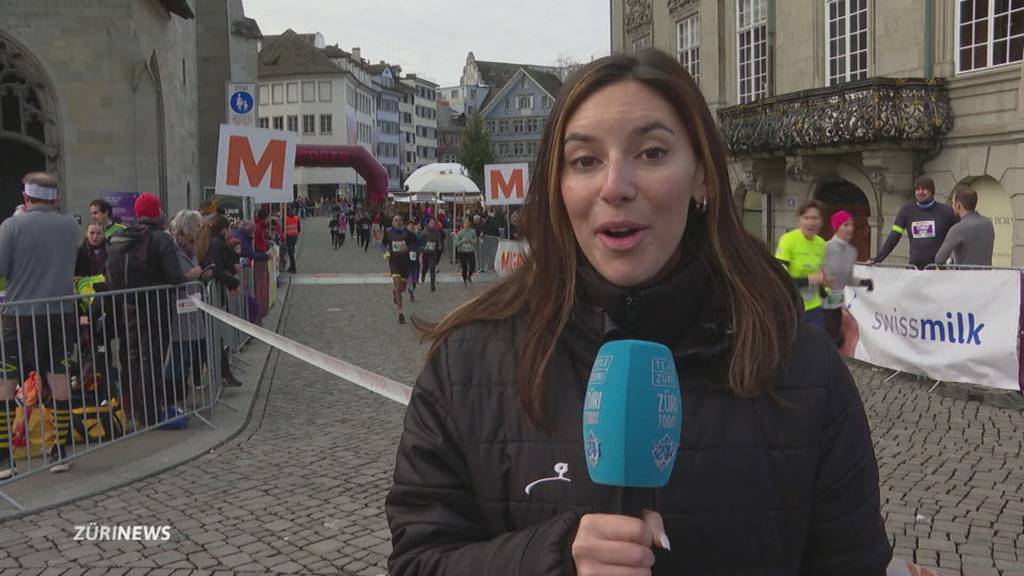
(632, 415)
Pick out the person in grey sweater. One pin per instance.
(37, 256)
(969, 241)
(840, 256)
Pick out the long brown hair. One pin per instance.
(213, 226)
(761, 300)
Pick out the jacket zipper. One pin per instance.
(632, 311)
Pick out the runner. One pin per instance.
(332, 225)
(433, 244)
(415, 256)
(840, 255)
(397, 255)
(342, 221)
(802, 253)
(363, 222)
(465, 250)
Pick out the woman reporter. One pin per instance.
(633, 234)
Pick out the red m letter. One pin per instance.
(240, 153)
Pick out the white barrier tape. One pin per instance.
(361, 377)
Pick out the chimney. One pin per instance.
(356, 53)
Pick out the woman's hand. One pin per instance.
(193, 273)
(610, 544)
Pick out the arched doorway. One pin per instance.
(753, 213)
(27, 124)
(994, 203)
(843, 195)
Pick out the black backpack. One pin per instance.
(127, 255)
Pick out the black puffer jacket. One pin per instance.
(761, 486)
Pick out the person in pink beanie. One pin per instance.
(840, 255)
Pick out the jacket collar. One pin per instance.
(684, 310)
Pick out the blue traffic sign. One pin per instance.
(241, 102)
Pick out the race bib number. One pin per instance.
(922, 229)
(398, 246)
(365, 226)
(412, 256)
(463, 248)
(430, 247)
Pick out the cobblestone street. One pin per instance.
(301, 489)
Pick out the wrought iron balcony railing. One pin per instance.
(866, 114)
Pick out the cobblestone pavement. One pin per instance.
(301, 490)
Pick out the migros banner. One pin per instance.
(950, 325)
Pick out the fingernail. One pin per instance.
(664, 542)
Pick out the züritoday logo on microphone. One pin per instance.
(959, 328)
(93, 533)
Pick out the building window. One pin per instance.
(325, 92)
(263, 123)
(546, 100)
(293, 124)
(847, 40)
(264, 94)
(526, 102)
(752, 30)
(309, 124)
(641, 43)
(309, 91)
(502, 126)
(991, 33)
(518, 149)
(688, 45)
(326, 123)
(278, 91)
(278, 122)
(517, 126)
(531, 125)
(293, 92)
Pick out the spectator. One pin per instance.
(212, 251)
(143, 255)
(928, 222)
(188, 332)
(802, 254)
(102, 213)
(970, 240)
(214, 255)
(37, 256)
(92, 254)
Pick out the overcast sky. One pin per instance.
(432, 37)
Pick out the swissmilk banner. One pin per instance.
(950, 325)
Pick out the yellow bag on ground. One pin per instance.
(32, 435)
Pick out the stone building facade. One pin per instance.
(104, 95)
(848, 101)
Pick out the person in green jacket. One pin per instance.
(465, 250)
(102, 213)
(802, 253)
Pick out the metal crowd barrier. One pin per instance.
(486, 250)
(91, 370)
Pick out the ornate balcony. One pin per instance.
(868, 114)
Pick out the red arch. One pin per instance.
(347, 157)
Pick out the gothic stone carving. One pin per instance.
(909, 112)
(638, 15)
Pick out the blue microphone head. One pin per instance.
(632, 415)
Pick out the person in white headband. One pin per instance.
(38, 192)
